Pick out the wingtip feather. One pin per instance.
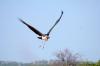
(62, 12)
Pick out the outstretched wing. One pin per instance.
(55, 24)
(32, 28)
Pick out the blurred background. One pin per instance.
(78, 29)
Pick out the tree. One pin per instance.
(67, 57)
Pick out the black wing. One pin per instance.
(32, 28)
(55, 24)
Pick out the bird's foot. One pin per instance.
(41, 46)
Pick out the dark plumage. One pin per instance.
(41, 35)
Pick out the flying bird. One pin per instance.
(42, 36)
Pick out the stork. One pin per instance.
(42, 36)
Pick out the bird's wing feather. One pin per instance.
(32, 28)
(55, 23)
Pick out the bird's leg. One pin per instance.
(42, 46)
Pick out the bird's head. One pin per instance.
(45, 37)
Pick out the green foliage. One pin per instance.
(98, 63)
(54, 63)
(88, 63)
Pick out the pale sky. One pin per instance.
(78, 30)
